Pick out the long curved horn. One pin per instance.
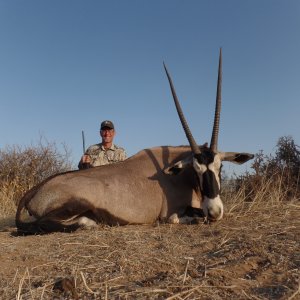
(215, 133)
(185, 126)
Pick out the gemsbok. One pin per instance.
(160, 183)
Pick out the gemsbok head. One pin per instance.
(207, 161)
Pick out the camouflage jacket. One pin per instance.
(101, 156)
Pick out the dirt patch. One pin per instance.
(253, 255)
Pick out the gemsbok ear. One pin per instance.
(236, 157)
(177, 167)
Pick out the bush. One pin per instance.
(276, 177)
(23, 168)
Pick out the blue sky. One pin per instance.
(67, 65)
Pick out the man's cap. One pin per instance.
(108, 124)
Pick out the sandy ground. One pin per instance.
(252, 254)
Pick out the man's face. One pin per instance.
(107, 135)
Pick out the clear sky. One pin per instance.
(67, 65)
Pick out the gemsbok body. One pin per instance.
(159, 183)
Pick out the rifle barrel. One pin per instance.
(83, 141)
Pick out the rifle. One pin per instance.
(83, 165)
(83, 141)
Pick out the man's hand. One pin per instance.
(85, 162)
(85, 159)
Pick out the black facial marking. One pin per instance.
(174, 170)
(205, 157)
(210, 184)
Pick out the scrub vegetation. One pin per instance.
(21, 168)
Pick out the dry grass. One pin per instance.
(7, 193)
(253, 253)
